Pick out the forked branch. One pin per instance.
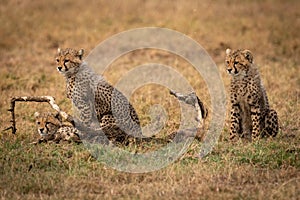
(48, 99)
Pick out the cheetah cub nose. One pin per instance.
(229, 70)
(59, 68)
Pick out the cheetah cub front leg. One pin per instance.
(235, 122)
(256, 122)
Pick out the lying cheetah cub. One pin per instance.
(251, 116)
(51, 128)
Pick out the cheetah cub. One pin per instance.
(51, 128)
(96, 102)
(251, 116)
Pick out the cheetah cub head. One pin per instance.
(238, 62)
(47, 123)
(68, 60)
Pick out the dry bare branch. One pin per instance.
(48, 99)
(194, 100)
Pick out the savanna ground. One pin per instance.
(31, 31)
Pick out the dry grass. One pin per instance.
(32, 30)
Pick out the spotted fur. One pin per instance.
(90, 92)
(251, 116)
(51, 128)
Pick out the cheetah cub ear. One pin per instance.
(80, 53)
(228, 51)
(248, 55)
(58, 51)
(36, 114)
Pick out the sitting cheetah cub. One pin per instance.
(251, 116)
(98, 104)
(51, 128)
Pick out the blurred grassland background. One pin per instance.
(31, 32)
